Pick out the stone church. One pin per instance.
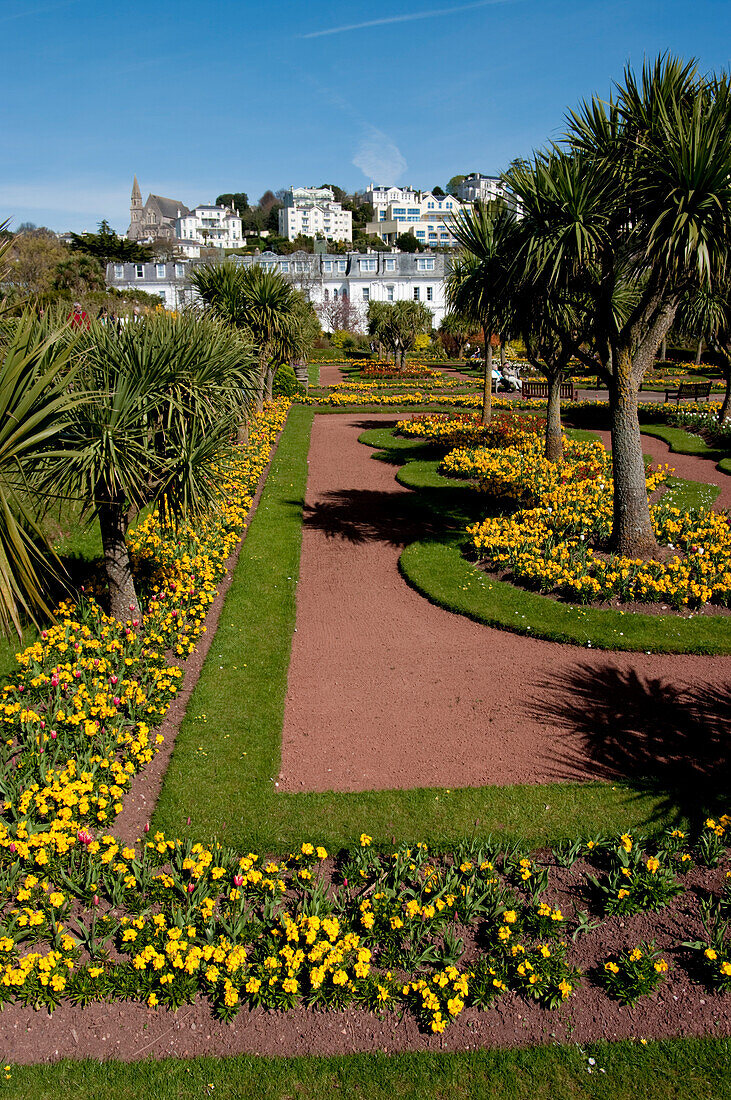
(156, 218)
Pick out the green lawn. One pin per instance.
(684, 1069)
(226, 760)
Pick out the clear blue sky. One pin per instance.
(198, 98)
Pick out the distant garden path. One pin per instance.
(388, 691)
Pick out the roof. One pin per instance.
(168, 208)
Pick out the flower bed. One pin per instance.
(464, 429)
(554, 543)
(389, 370)
(87, 917)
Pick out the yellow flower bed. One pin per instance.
(551, 543)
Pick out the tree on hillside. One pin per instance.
(455, 330)
(407, 242)
(107, 247)
(78, 274)
(454, 184)
(644, 201)
(237, 200)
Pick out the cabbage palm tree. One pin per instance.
(160, 402)
(36, 367)
(257, 301)
(479, 286)
(708, 313)
(641, 198)
(397, 324)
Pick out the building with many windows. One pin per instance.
(428, 216)
(211, 226)
(326, 279)
(167, 280)
(485, 189)
(314, 212)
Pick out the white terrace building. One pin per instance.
(360, 277)
(429, 217)
(210, 226)
(314, 212)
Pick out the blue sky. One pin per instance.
(197, 99)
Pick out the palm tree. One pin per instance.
(708, 313)
(258, 301)
(397, 324)
(458, 329)
(36, 401)
(478, 285)
(640, 203)
(160, 402)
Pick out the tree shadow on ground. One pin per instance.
(652, 735)
(365, 515)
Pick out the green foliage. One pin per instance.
(407, 242)
(107, 247)
(285, 382)
(634, 973)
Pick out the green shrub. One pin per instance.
(285, 382)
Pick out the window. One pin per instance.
(389, 293)
(429, 293)
(119, 271)
(366, 294)
(432, 236)
(335, 294)
(390, 265)
(421, 233)
(417, 294)
(284, 266)
(162, 294)
(425, 264)
(342, 265)
(327, 295)
(381, 215)
(160, 271)
(327, 265)
(139, 271)
(179, 271)
(369, 265)
(399, 212)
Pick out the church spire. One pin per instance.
(135, 211)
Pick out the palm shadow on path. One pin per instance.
(653, 735)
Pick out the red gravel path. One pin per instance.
(388, 691)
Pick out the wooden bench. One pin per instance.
(540, 389)
(691, 391)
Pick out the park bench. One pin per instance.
(691, 391)
(540, 389)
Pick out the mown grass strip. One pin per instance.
(436, 568)
(674, 1069)
(682, 442)
(227, 756)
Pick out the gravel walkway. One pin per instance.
(388, 691)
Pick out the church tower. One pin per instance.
(135, 210)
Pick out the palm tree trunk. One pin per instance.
(632, 531)
(123, 603)
(554, 434)
(487, 380)
(699, 352)
(724, 414)
(503, 357)
(270, 383)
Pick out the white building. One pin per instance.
(314, 212)
(382, 197)
(167, 281)
(326, 279)
(210, 227)
(485, 189)
(428, 216)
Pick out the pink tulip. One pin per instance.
(238, 880)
